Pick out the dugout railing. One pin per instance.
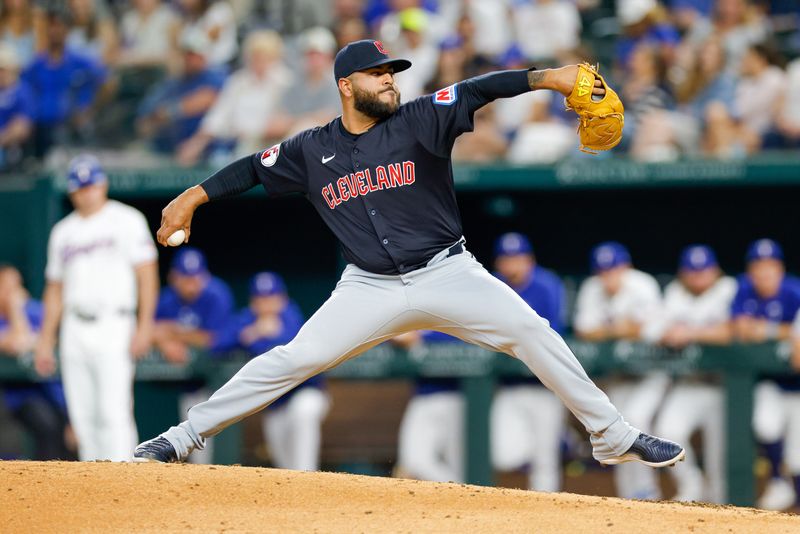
(736, 368)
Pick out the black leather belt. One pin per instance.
(456, 249)
(92, 317)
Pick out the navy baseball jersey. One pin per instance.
(211, 311)
(291, 320)
(387, 194)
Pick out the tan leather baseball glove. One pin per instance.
(601, 117)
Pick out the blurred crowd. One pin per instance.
(203, 81)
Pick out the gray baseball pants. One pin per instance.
(454, 295)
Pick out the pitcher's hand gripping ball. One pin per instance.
(601, 121)
(177, 238)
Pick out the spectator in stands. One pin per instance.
(737, 23)
(173, 110)
(645, 95)
(292, 424)
(764, 308)
(700, 85)
(485, 143)
(431, 439)
(644, 21)
(192, 313)
(17, 110)
(687, 13)
(217, 21)
(615, 304)
(415, 44)
(247, 102)
(704, 79)
(147, 29)
(754, 108)
(786, 131)
(544, 137)
(511, 113)
(65, 84)
(696, 310)
(451, 67)
(22, 28)
(527, 419)
(313, 98)
(493, 29)
(93, 31)
(40, 408)
(544, 28)
(348, 30)
(475, 62)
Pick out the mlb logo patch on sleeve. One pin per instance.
(270, 155)
(446, 96)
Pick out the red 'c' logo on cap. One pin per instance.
(381, 49)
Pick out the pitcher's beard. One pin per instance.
(371, 105)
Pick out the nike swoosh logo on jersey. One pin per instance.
(326, 160)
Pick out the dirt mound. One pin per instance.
(113, 497)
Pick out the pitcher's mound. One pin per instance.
(112, 497)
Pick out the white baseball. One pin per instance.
(177, 238)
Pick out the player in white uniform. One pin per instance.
(431, 436)
(102, 284)
(615, 304)
(696, 310)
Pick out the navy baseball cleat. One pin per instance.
(157, 449)
(650, 450)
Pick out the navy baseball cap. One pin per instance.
(764, 249)
(697, 258)
(362, 55)
(189, 261)
(266, 284)
(512, 244)
(608, 255)
(84, 170)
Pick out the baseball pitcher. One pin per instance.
(380, 176)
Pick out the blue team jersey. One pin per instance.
(51, 390)
(63, 88)
(543, 292)
(211, 311)
(16, 101)
(781, 308)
